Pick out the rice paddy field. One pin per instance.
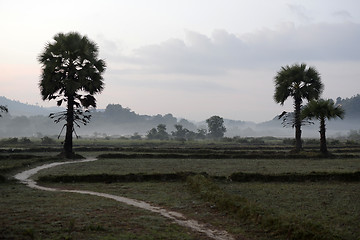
(200, 180)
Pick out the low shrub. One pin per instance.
(312, 141)
(25, 140)
(47, 140)
(289, 141)
(257, 141)
(11, 141)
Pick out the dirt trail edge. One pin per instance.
(24, 177)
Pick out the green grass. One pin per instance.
(334, 205)
(226, 166)
(175, 196)
(34, 214)
(215, 167)
(13, 163)
(285, 224)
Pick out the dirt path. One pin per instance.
(180, 219)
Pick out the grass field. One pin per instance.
(332, 204)
(217, 167)
(33, 214)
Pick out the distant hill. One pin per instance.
(335, 127)
(351, 107)
(17, 108)
(29, 120)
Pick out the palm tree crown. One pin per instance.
(71, 65)
(322, 109)
(299, 82)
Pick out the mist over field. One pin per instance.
(24, 120)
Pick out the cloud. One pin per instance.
(300, 12)
(222, 52)
(342, 14)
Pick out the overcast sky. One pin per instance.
(191, 58)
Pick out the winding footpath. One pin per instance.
(24, 177)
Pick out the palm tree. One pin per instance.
(322, 109)
(299, 82)
(71, 73)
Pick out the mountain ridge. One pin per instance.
(17, 108)
(117, 120)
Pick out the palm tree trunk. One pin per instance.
(323, 147)
(68, 144)
(297, 123)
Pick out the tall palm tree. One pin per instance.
(299, 82)
(322, 109)
(71, 73)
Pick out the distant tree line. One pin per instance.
(114, 120)
(216, 130)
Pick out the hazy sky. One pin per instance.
(191, 58)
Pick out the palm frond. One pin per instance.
(3, 109)
(322, 109)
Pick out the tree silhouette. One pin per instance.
(158, 133)
(180, 133)
(216, 127)
(322, 109)
(299, 82)
(3, 109)
(162, 134)
(71, 74)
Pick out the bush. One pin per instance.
(136, 136)
(47, 140)
(257, 141)
(312, 141)
(242, 140)
(227, 139)
(289, 141)
(334, 142)
(25, 140)
(11, 141)
(351, 142)
(354, 135)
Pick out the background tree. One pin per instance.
(216, 127)
(152, 134)
(299, 82)
(162, 134)
(322, 109)
(3, 109)
(201, 133)
(71, 73)
(180, 133)
(158, 133)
